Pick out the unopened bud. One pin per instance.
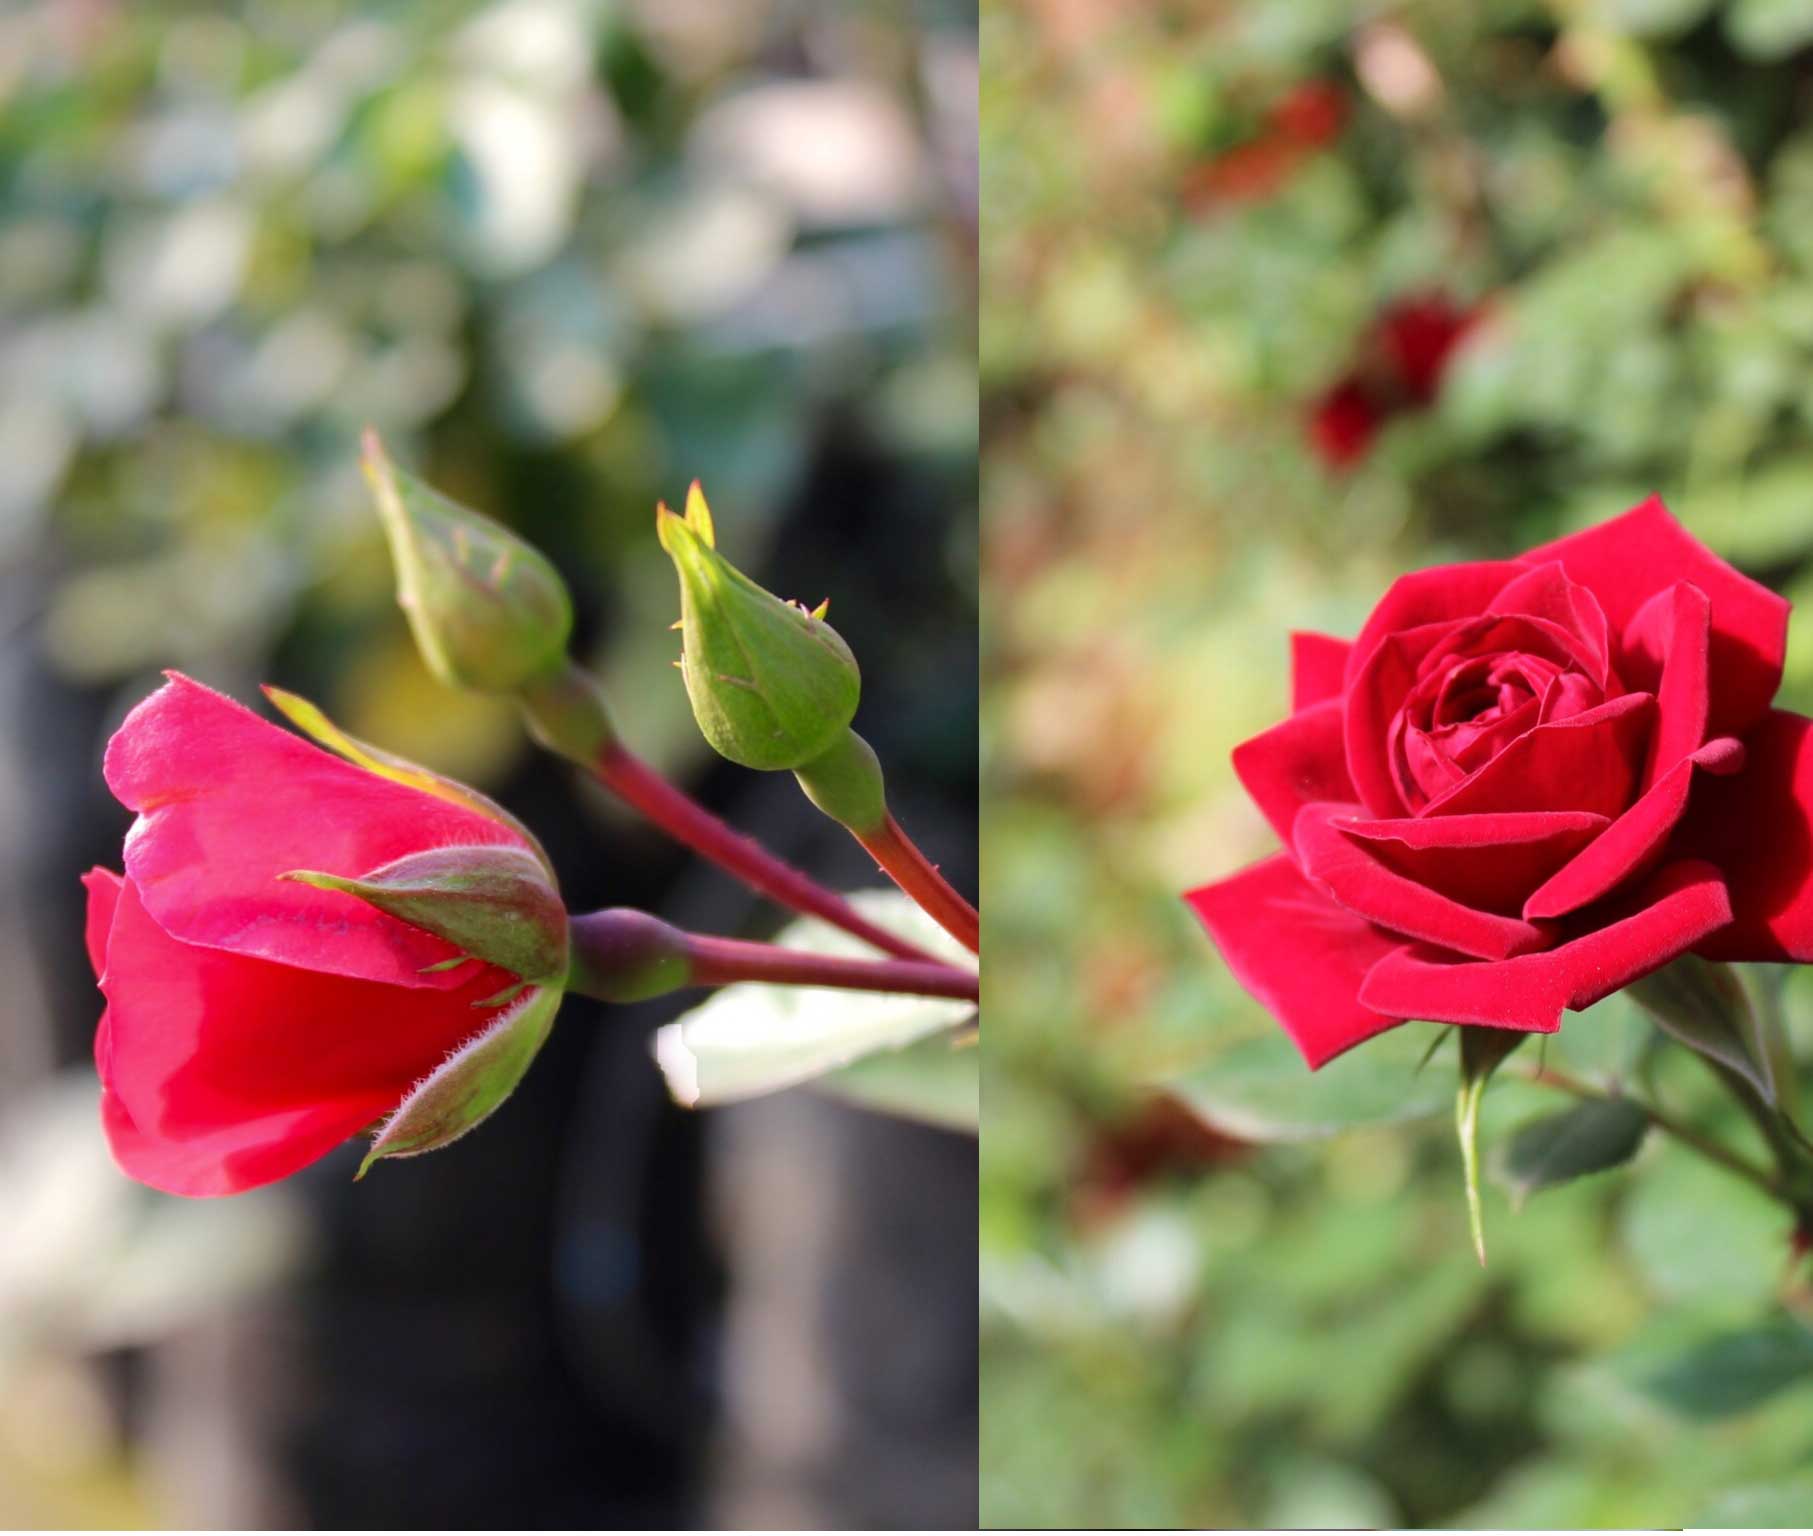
(487, 610)
(772, 685)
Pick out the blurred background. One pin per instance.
(566, 255)
(1279, 300)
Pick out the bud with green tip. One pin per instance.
(487, 610)
(497, 904)
(772, 685)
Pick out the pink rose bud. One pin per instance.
(255, 1022)
(1525, 785)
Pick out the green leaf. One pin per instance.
(1760, 1506)
(1702, 1004)
(469, 1084)
(936, 1080)
(1589, 1138)
(1261, 1091)
(1481, 1051)
(754, 1037)
(1722, 1373)
(1699, 1234)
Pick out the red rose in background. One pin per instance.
(1399, 369)
(1524, 785)
(253, 1023)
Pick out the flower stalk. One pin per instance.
(623, 955)
(567, 714)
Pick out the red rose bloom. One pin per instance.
(253, 1023)
(1524, 785)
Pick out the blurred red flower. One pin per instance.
(1307, 118)
(1398, 369)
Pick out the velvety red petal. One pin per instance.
(1298, 953)
(1633, 557)
(1587, 763)
(237, 1157)
(205, 1039)
(1318, 668)
(1758, 827)
(228, 802)
(1298, 760)
(103, 887)
(1636, 839)
(1348, 871)
(1682, 905)
(1438, 595)
(1667, 652)
(1375, 694)
(1489, 861)
(1544, 592)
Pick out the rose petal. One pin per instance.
(237, 1157)
(1348, 871)
(228, 803)
(1635, 840)
(1490, 861)
(204, 1039)
(1587, 763)
(1438, 595)
(1758, 827)
(1298, 760)
(1681, 905)
(1628, 560)
(1545, 592)
(1667, 653)
(103, 887)
(1375, 696)
(1298, 953)
(1318, 668)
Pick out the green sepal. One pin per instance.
(487, 610)
(1481, 1050)
(469, 1084)
(772, 685)
(494, 903)
(1703, 1004)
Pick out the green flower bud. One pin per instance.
(497, 904)
(488, 611)
(772, 685)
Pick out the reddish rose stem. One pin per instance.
(686, 821)
(915, 874)
(717, 962)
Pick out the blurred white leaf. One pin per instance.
(753, 1038)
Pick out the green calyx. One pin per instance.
(772, 685)
(845, 782)
(488, 611)
(466, 1087)
(496, 904)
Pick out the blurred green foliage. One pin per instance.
(1179, 1328)
(565, 255)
